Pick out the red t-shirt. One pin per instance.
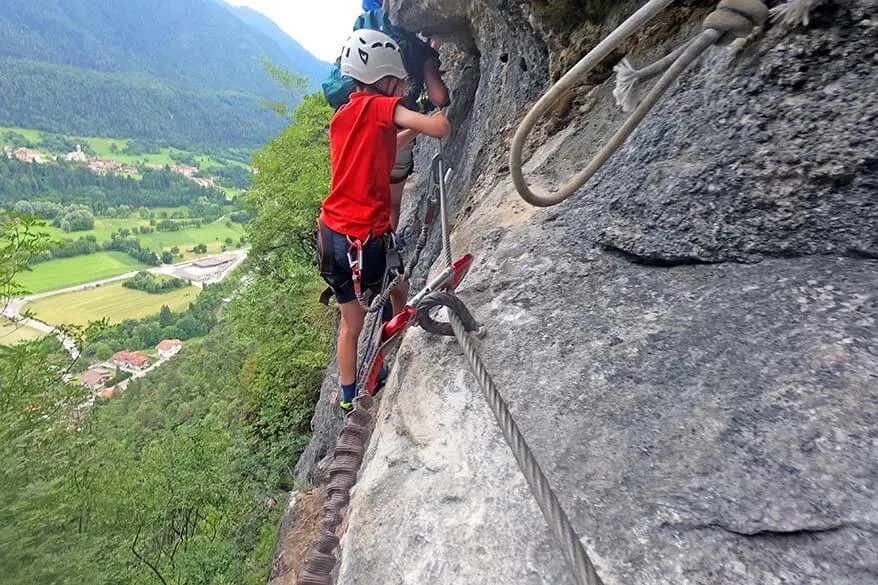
(362, 146)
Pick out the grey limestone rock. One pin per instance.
(689, 344)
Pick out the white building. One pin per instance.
(169, 347)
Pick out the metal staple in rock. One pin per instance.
(348, 455)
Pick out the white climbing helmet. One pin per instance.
(370, 55)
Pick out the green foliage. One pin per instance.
(233, 177)
(78, 220)
(154, 284)
(294, 86)
(66, 184)
(134, 334)
(20, 240)
(60, 144)
(141, 147)
(172, 481)
(67, 248)
(282, 375)
(292, 181)
(15, 139)
(79, 101)
(118, 377)
(93, 68)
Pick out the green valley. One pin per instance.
(150, 406)
(91, 68)
(179, 475)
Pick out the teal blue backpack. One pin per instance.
(337, 88)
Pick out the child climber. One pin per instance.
(356, 213)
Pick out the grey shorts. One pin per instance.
(405, 164)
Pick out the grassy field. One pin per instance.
(65, 272)
(103, 149)
(10, 333)
(104, 226)
(112, 301)
(212, 234)
(31, 135)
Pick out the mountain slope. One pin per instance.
(309, 66)
(160, 69)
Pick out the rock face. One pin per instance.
(689, 345)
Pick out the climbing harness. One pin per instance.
(380, 337)
(738, 17)
(350, 446)
(351, 443)
(733, 17)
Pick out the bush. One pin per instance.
(154, 284)
(78, 220)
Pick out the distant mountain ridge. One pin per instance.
(185, 71)
(310, 67)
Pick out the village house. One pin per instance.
(135, 360)
(76, 156)
(101, 166)
(106, 393)
(206, 182)
(28, 155)
(185, 170)
(94, 379)
(169, 347)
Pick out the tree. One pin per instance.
(287, 191)
(166, 317)
(167, 257)
(20, 240)
(101, 351)
(175, 251)
(24, 207)
(149, 333)
(188, 327)
(294, 85)
(78, 220)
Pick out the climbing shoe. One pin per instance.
(346, 407)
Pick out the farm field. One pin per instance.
(64, 272)
(212, 234)
(112, 301)
(10, 334)
(103, 149)
(104, 226)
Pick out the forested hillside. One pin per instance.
(187, 71)
(182, 477)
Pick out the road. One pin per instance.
(13, 308)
